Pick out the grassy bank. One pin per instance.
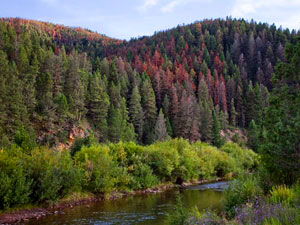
(246, 201)
(42, 175)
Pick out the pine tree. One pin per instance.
(253, 136)
(169, 127)
(160, 130)
(136, 112)
(149, 109)
(233, 114)
(185, 115)
(206, 122)
(98, 105)
(216, 137)
(280, 146)
(44, 94)
(127, 132)
(115, 122)
(73, 82)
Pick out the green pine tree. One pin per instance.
(216, 137)
(160, 130)
(136, 113)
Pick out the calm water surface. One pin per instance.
(142, 209)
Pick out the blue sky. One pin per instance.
(124, 19)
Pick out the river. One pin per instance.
(148, 209)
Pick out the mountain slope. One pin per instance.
(205, 76)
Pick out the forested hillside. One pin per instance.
(190, 81)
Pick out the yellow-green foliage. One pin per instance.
(245, 158)
(14, 186)
(53, 174)
(240, 191)
(272, 221)
(42, 174)
(101, 173)
(282, 194)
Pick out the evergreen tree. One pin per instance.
(115, 123)
(127, 132)
(149, 109)
(233, 114)
(206, 122)
(160, 130)
(253, 136)
(72, 83)
(98, 105)
(280, 147)
(136, 112)
(216, 137)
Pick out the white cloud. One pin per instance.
(282, 12)
(147, 4)
(171, 5)
(242, 8)
(175, 3)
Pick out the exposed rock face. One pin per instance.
(74, 133)
(229, 134)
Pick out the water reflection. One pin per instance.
(143, 209)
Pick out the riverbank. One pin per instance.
(21, 215)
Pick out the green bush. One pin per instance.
(100, 171)
(53, 174)
(179, 215)
(80, 142)
(240, 191)
(142, 177)
(245, 158)
(14, 185)
(189, 165)
(163, 160)
(42, 174)
(282, 194)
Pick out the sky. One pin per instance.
(125, 19)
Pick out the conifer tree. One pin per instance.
(127, 132)
(253, 136)
(233, 114)
(115, 122)
(206, 122)
(136, 112)
(280, 147)
(160, 130)
(149, 109)
(98, 105)
(216, 137)
(73, 82)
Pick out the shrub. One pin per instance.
(25, 139)
(163, 160)
(80, 142)
(245, 158)
(189, 165)
(142, 177)
(179, 215)
(14, 186)
(100, 171)
(206, 218)
(262, 212)
(214, 162)
(239, 192)
(53, 174)
(282, 194)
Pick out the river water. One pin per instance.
(148, 209)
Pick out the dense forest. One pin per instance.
(88, 114)
(191, 81)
